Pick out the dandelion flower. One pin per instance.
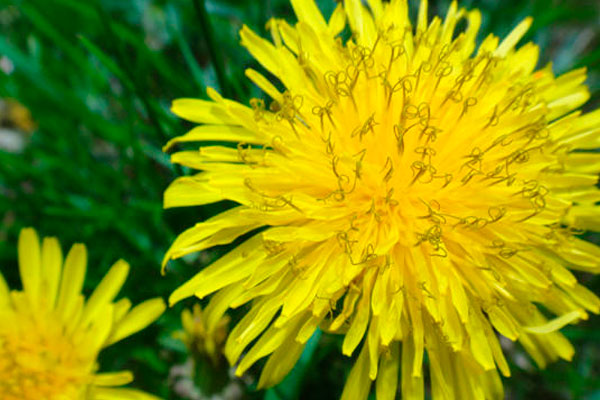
(204, 338)
(51, 335)
(15, 115)
(406, 189)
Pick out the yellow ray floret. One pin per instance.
(415, 193)
(50, 336)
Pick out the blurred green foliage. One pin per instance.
(98, 77)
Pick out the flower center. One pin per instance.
(39, 360)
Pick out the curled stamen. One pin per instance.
(418, 168)
(410, 111)
(496, 213)
(389, 166)
(455, 95)
(469, 102)
(434, 214)
(470, 175)
(290, 110)
(367, 127)
(503, 140)
(433, 236)
(399, 134)
(397, 51)
(345, 242)
(494, 119)
(425, 152)
(443, 71)
(447, 177)
(407, 88)
(474, 159)
(367, 255)
(324, 111)
(424, 113)
(430, 132)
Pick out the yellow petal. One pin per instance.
(113, 378)
(220, 133)
(253, 324)
(358, 383)
(412, 385)
(416, 319)
(221, 229)
(513, 37)
(361, 22)
(106, 291)
(584, 217)
(271, 340)
(30, 263)
(218, 304)
(422, 18)
(503, 322)
(104, 393)
(570, 102)
(202, 111)
(373, 345)
(280, 363)
(480, 346)
(585, 297)
(121, 308)
(387, 379)
(236, 265)
(496, 350)
(359, 323)
(52, 263)
(459, 298)
(264, 84)
(98, 332)
(556, 323)
(440, 369)
(376, 7)
(4, 292)
(263, 51)
(190, 191)
(307, 11)
(216, 158)
(138, 318)
(452, 17)
(72, 279)
(337, 21)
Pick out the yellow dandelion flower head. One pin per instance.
(13, 113)
(203, 336)
(414, 193)
(51, 335)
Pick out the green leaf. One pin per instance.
(107, 61)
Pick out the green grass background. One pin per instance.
(98, 77)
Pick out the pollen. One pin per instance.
(417, 194)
